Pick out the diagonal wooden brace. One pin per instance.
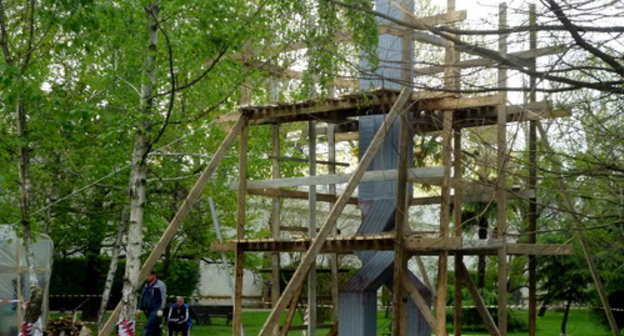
(478, 300)
(179, 217)
(329, 224)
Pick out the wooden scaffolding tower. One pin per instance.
(422, 112)
(446, 112)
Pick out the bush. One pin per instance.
(471, 320)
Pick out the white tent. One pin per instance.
(14, 288)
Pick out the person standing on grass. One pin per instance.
(179, 319)
(152, 302)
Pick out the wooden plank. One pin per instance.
(332, 218)
(291, 312)
(457, 229)
(477, 111)
(384, 242)
(312, 228)
(333, 258)
(399, 318)
(294, 194)
(340, 37)
(484, 62)
(501, 194)
(296, 228)
(478, 301)
(427, 175)
(420, 302)
(441, 287)
(452, 103)
(539, 249)
(284, 72)
(532, 180)
(275, 214)
(179, 217)
(237, 318)
(323, 162)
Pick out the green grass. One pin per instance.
(580, 323)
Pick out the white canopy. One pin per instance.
(14, 288)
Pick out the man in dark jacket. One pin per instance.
(152, 303)
(179, 318)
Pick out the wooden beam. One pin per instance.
(532, 180)
(323, 162)
(483, 62)
(427, 175)
(478, 301)
(421, 304)
(539, 249)
(501, 193)
(285, 72)
(383, 242)
(295, 228)
(312, 317)
(295, 194)
(291, 312)
(276, 210)
(237, 318)
(457, 228)
(329, 224)
(452, 103)
(179, 217)
(340, 37)
(441, 287)
(333, 258)
(401, 225)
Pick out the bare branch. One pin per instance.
(505, 60)
(580, 41)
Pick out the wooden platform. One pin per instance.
(414, 244)
(425, 108)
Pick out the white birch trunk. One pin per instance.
(138, 178)
(112, 269)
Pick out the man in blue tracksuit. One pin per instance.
(179, 319)
(152, 302)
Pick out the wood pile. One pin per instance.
(64, 326)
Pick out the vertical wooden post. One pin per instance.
(532, 182)
(333, 257)
(237, 327)
(275, 215)
(450, 82)
(452, 76)
(501, 194)
(312, 229)
(399, 319)
(399, 325)
(457, 229)
(447, 128)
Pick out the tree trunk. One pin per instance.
(112, 269)
(564, 322)
(138, 178)
(33, 309)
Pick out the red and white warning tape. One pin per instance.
(10, 301)
(125, 328)
(29, 329)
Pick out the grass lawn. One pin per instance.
(580, 323)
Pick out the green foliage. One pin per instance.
(181, 278)
(472, 321)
